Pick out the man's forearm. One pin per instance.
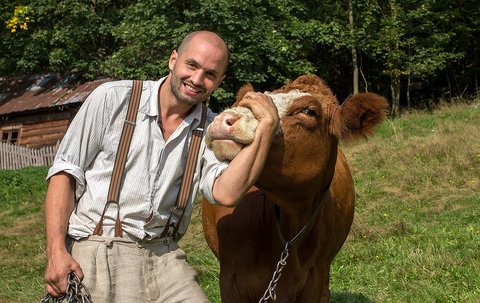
(244, 170)
(59, 204)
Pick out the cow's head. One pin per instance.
(312, 122)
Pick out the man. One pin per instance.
(141, 265)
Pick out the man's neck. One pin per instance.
(171, 113)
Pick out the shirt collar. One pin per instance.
(150, 106)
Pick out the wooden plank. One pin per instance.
(45, 127)
(42, 134)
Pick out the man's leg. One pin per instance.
(176, 279)
(120, 270)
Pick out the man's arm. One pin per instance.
(244, 170)
(59, 203)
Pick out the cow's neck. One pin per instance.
(295, 222)
(299, 201)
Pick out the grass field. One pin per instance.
(415, 238)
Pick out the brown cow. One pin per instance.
(305, 195)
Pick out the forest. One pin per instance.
(417, 53)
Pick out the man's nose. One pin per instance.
(197, 77)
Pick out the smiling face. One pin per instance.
(198, 70)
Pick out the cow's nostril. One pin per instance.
(230, 120)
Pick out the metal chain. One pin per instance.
(270, 291)
(76, 292)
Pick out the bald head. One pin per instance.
(208, 37)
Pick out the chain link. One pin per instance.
(76, 292)
(270, 291)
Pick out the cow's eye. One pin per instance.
(309, 112)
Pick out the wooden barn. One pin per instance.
(35, 111)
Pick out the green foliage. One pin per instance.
(429, 47)
(63, 36)
(147, 34)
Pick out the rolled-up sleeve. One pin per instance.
(211, 170)
(83, 139)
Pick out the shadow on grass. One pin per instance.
(348, 297)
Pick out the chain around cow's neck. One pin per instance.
(270, 291)
(307, 225)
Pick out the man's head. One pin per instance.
(198, 66)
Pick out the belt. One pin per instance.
(124, 239)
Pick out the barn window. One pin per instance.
(10, 136)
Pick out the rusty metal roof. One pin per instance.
(43, 91)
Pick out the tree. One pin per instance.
(409, 43)
(412, 50)
(15, 34)
(64, 35)
(265, 49)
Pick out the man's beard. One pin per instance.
(175, 85)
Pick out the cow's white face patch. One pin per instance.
(283, 101)
(234, 128)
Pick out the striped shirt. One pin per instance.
(153, 171)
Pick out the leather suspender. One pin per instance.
(187, 181)
(121, 158)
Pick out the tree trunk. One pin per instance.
(354, 49)
(409, 82)
(395, 87)
(395, 76)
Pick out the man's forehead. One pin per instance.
(207, 55)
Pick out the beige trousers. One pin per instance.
(119, 270)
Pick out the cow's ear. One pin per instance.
(360, 115)
(247, 87)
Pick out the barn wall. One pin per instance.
(44, 133)
(40, 129)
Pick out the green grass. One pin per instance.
(416, 233)
(22, 256)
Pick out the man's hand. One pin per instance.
(59, 265)
(263, 109)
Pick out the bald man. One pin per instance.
(144, 262)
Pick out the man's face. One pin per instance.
(196, 72)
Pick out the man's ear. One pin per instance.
(173, 60)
